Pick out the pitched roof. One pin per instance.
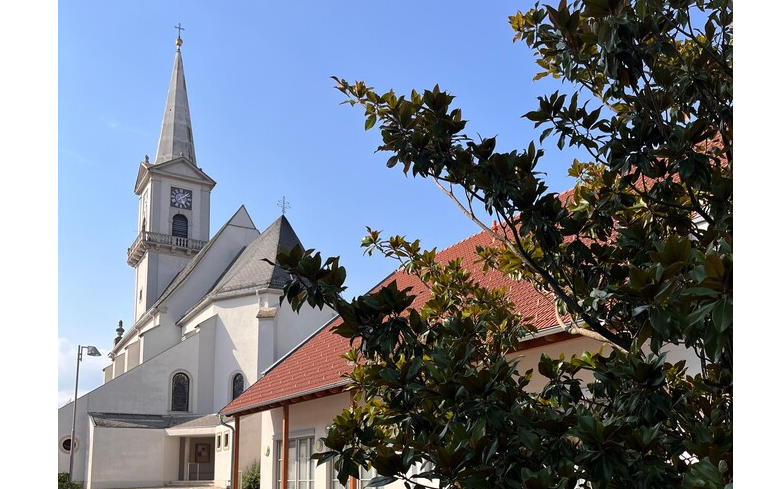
(316, 367)
(176, 131)
(250, 272)
(154, 421)
(240, 218)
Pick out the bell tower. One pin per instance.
(174, 198)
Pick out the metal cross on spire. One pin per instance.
(283, 204)
(179, 32)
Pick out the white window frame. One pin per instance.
(365, 476)
(293, 474)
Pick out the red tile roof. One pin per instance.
(316, 368)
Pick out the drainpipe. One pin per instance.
(236, 446)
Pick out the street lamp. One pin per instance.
(93, 352)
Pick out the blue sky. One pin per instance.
(267, 123)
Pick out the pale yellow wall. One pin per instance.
(575, 346)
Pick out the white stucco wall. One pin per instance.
(108, 373)
(140, 300)
(237, 326)
(123, 395)
(309, 418)
(64, 420)
(235, 330)
(292, 327)
(132, 458)
(133, 355)
(223, 457)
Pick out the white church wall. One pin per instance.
(169, 266)
(201, 279)
(153, 378)
(121, 395)
(119, 364)
(236, 329)
(64, 422)
(159, 336)
(201, 204)
(108, 373)
(141, 300)
(132, 458)
(133, 355)
(205, 402)
(293, 328)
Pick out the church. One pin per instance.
(207, 320)
(216, 374)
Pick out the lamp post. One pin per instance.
(93, 352)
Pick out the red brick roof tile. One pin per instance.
(316, 366)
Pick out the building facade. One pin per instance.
(207, 321)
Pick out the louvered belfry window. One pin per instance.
(179, 226)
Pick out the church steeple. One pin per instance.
(176, 132)
(174, 194)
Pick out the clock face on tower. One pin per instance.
(181, 198)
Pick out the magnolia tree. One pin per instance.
(638, 255)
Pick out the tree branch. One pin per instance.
(472, 217)
(558, 291)
(572, 328)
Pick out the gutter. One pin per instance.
(260, 407)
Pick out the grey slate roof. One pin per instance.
(185, 272)
(155, 421)
(250, 272)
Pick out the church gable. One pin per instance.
(143, 176)
(212, 262)
(252, 270)
(182, 169)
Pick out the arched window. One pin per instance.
(237, 386)
(179, 226)
(180, 392)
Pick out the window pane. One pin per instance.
(180, 392)
(292, 461)
(278, 454)
(238, 386)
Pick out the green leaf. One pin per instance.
(381, 480)
(722, 315)
(370, 122)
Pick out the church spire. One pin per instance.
(176, 132)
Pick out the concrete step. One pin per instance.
(189, 484)
(185, 485)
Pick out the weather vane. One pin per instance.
(283, 204)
